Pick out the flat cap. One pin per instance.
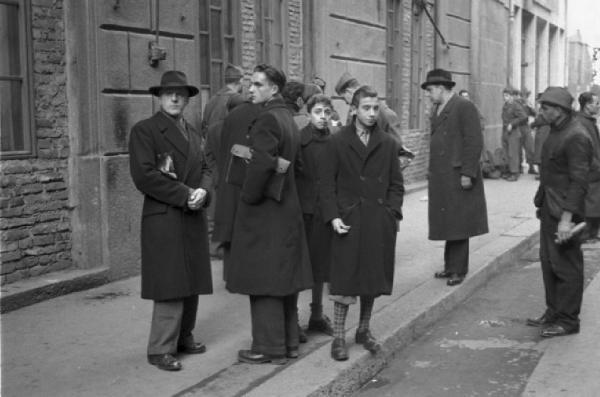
(344, 82)
(557, 96)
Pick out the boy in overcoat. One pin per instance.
(313, 139)
(168, 167)
(457, 207)
(361, 194)
(268, 256)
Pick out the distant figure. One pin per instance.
(560, 199)
(168, 167)
(526, 142)
(361, 194)
(513, 117)
(589, 108)
(216, 108)
(457, 206)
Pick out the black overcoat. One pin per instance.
(592, 198)
(363, 186)
(269, 255)
(318, 234)
(175, 256)
(456, 145)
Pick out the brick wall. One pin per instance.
(35, 218)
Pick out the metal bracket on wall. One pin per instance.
(155, 52)
(420, 6)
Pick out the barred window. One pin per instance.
(271, 30)
(16, 126)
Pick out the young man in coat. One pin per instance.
(589, 106)
(457, 207)
(361, 194)
(560, 199)
(268, 257)
(168, 167)
(513, 118)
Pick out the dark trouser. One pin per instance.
(562, 269)
(527, 145)
(456, 256)
(274, 324)
(511, 145)
(172, 324)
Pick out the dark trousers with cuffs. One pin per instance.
(456, 256)
(172, 324)
(562, 270)
(274, 324)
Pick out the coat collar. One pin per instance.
(348, 134)
(310, 133)
(171, 131)
(436, 119)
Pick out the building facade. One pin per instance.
(78, 72)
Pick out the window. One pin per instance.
(16, 126)
(219, 41)
(271, 20)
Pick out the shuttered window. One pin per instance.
(16, 125)
(271, 21)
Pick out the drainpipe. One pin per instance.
(510, 44)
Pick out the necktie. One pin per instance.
(183, 129)
(364, 137)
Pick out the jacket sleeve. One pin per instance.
(264, 145)
(518, 116)
(395, 193)
(578, 148)
(389, 122)
(145, 174)
(472, 139)
(327, 176)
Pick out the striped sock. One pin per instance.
(339, 320)
(366, 308)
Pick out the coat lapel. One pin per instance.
(354, 142)
(374, 140)
(172, 134)
(194, 156)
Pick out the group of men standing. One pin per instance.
(317, 207)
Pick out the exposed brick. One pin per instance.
(14, 235)
(11, 223)
(30, 189)
(11, 256)
(50, 177)
(11, 212)
(43, 240)
(9, 246)
(27, 262)
(25, 243)
(54, 186)
(6, 268)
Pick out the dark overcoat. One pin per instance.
(456, 145)
(235, 129)
(318, 234)
(175, 256)
(269, 255)
(592, 199)
(363, 186)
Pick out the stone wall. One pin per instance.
(35, 216)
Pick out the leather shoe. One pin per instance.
(165, 362)
(540, 321)
(194, 348)
(250, 357)
(364, 337)
(322, 325)
(292, 352)
(339, 351)
(442, 274)
(455, 279)
(558, 330)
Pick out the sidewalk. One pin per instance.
(92, 343)
(570, 365)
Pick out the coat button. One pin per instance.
(380, 201)
(362, 178)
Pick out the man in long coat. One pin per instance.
(168, 167)
(566, 160)
(513, 118)
(361, 191)
(589, 106)
(269, 257)
(457, 207)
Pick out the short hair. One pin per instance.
(364, 91)
(318, 98)
(585, 98)
(274, 75)
(292, 90)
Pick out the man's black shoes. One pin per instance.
(339, 351)
(250, 357)
(541, 321)
(455, 279)
(364, 337)
(166, 362)
(194, 348)
(558, 330)
(442, 274)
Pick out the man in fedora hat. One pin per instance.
(168, 167)
(387, 120)
(457, 207)
(560, 199)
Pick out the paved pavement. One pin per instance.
(570, 365)
(92, 343)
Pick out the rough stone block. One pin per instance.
(146, 76)
(122, 112)
(113, 60)
(185, 55)
(361, 10)
(178, 16)
(131, 13)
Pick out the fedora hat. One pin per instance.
(173, 79)
(438, 77)
(557, 96)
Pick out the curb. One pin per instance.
(342, 379)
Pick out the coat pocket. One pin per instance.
(153, 207)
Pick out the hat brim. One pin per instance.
(448, 84)
(552, 103)
(155, 90)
